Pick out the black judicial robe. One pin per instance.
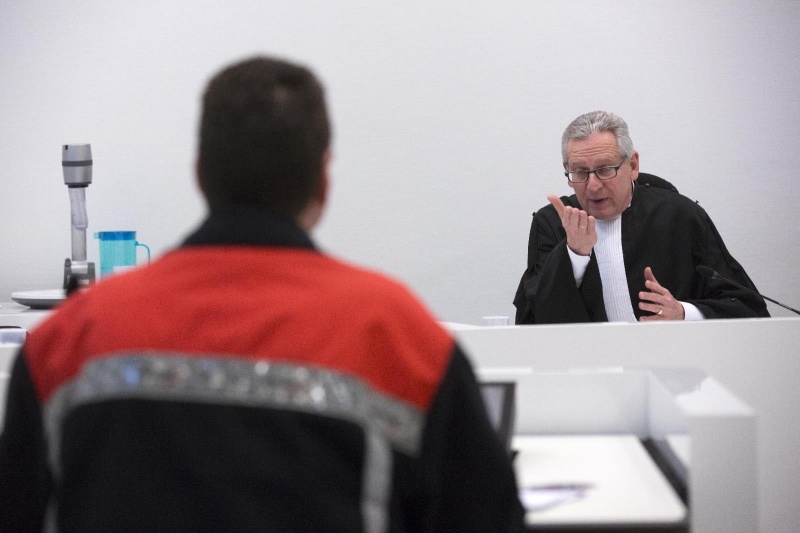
(661, 229)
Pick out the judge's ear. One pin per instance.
(566, 169)
(634, 163)
(311, 214)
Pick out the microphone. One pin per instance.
(713, 274)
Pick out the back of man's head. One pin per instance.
(263, 134)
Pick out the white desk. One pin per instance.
(757, 360)
(626, 487)
(684, 414)
(13, 314)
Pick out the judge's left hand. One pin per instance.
(658, 300)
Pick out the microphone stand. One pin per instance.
(713, 274)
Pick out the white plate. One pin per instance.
(39, 299)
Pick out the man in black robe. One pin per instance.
(621, 251)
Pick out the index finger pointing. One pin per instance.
(557, 203)
(650, 280)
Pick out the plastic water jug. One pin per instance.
(118, 251)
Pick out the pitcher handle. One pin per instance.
(146, 248)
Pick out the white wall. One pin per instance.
(447, 115)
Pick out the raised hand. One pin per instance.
(579, 225)
(658, 300)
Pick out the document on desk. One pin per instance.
(593, 479)
(541, 497)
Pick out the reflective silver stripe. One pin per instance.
(376, 485)
(387, 422)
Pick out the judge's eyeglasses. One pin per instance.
(602, 173)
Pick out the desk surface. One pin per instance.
(627, 488)
(13, 314)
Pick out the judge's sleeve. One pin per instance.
(547, 292)
(717, 298)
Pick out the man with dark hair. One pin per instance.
(263, 136)
(278, 389)
(617, 251)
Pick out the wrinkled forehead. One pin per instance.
(599, 146)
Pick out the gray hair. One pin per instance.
(589, 123)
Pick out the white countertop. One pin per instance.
(625, 485)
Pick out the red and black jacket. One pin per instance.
(248, 382)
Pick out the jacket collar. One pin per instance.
(249, 226)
